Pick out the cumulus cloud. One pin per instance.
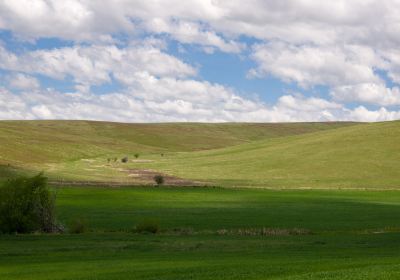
(193, 33)
(311, 65)
(292, 20)
(350, 47)
(368, 93)
(96, 64)
(132, 107)
(22, 81)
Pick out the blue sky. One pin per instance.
(208, 61)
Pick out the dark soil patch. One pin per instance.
(137, 177)
(147, 177)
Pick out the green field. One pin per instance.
(354, 235)
(271, 201)
(362, 156)
(78, 150)
(316, 155)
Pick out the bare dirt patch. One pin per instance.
(147, 176)
(136, 177)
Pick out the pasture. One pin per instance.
(240, 201)
(353, 235)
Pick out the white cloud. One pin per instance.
(371, 93)
(296, 21)
(362, 114)
(22, 81)
(133, 107)
(310, 65)
(193, 33)
(95, 65)
(343, 45)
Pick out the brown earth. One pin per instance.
(136, 177)
(147, 176)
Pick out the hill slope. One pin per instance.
(53, 141)
(358, 156)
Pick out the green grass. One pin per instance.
(355, 236)
(213, 209)
(58, 147)
(362, 156)
(311, 155)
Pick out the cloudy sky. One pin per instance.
(200, 60)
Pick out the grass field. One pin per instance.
(362, 156)
(353, 156)
(299, 201)
(78, 150)
(354, 235)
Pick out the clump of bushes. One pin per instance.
(78, 225)
(124, 159)
(159, 179)
(147, 226)
(27, 205)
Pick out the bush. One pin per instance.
(159, 180)
(148, 226)
(78, 226)
(27, 205)
(124, 159)
(136, 155)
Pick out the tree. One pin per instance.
(159, 179)
(124, 159)
(27, 205)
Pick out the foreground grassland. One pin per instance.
(355, 235)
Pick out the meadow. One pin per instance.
(79, 150)
(254, 201)
(352, 235)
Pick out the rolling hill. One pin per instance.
(299, 155)
(58, 147)
(362, 156)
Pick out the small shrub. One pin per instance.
(78, 226)
(124, 159)
(136, 155)
(159, 179)
(148, 226)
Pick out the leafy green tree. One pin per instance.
(27, 205)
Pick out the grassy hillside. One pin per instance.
(312, 155)
(357, 156)
(59, 146)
